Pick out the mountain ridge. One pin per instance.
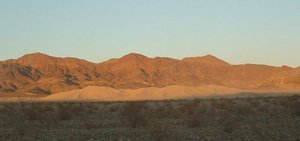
(42, 73)
(135, 54)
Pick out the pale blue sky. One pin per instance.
(238, 31)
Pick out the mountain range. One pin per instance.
(39, 73)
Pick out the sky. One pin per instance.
(237, 31)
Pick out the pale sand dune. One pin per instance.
(90, 92)
(152, 93)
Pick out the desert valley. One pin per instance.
(141, 70)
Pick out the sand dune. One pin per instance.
(152, 93)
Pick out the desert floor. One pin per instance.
(218, 119)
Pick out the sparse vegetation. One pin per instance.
(133, 114)
(295, 106)
(65, 112)
(256, 118)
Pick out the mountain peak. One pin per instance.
(133, 56)
(36, 59)
(209, 56)
(207, 59)
(35, 55)
(286, 67)
(38, 53)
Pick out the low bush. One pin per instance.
(133, 116)
(65, 112)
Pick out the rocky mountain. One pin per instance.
(44, 74)
(287, 79)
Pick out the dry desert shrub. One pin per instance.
(33, 113)
(64, 112)
(254, 102)
(200, 116)
(8, 108)
(133, 115)
(160, 132)
(202, 107)
(160, 112)
(244, 109)
(196, 121)
(223, 105)
(19, 119)
(293, 98)
(82, 111)
(77, 109)
(113, 108)
(90, 107)
(295, 107)
(229, 123)
(165, 110)
(48, 108)
(189, 107)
